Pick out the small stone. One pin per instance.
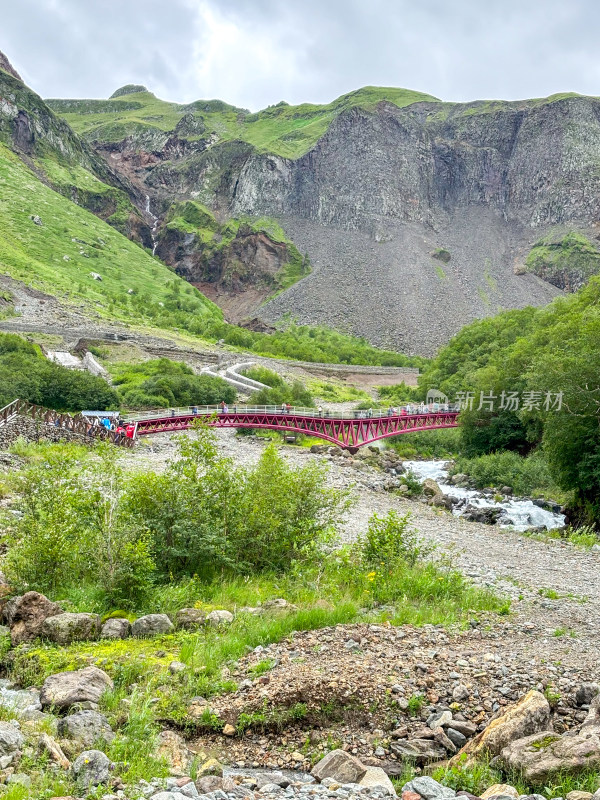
(340, 766)
(229, 730)
(440, 719)
(176, 666)
(456, 737)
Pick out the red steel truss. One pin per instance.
(349, 434)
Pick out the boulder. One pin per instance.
(340, 766)
(20, 701)
(67, 628)
(545, 754)
(172, 747)
(586, 693)
(11, 742)
(486, 515)
(428, 789)
(151, 625)
(116, 628)
(217, 618)
(375, 778)
(529, 716)
(87, 728)
(25, 616)
(190, 618)
(421, 751)
(79, 686)
(91, 768)
(431, 488)
(500, 789)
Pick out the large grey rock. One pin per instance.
(25, 616)
(421, 751)
(151, 625)
(376, 778)
(340, 766)
(529, 716)
(220, 617)
(586, 693)
(20, 701)
(546, 754)
(116, 628)
(91, 768)
(190, 618)
(79, 686)
(87, 728)
(429, 789)
(11, 742)
(68, 627)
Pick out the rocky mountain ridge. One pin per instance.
(369, 189)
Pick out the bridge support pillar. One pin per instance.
(353, 450)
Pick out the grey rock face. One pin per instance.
(67, 628)
(79, 686)
(116, 628)
(91, 768)
(151, 625)
(86, 727)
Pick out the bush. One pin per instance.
(161, 383)
(523, 475)
(264, 375)
(28, 375)
(295, 394)
(390, 540)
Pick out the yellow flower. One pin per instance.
(371, 576)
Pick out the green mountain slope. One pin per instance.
(59, 255)
(282, 129)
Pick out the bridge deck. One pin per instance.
(349, 430)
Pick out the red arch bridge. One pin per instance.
(349, 430)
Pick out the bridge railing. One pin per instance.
(237, 408)
(76, 424)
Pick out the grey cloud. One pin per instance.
(257, 52)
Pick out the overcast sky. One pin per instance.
(253, 53)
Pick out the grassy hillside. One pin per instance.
(282, 129)
(59, 255)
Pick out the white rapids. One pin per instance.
(519, 514)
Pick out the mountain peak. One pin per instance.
(130, 88)
(8, 67)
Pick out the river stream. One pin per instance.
(518, 513)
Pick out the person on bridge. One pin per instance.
(283, 408)
(222, 406)
(288, 408)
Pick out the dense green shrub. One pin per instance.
(264, 375)
(296, 394)
(523, 475)
(540, 354)
(92, 524)
(163, 383)
(26, 374)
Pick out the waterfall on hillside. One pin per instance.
(154, 226)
